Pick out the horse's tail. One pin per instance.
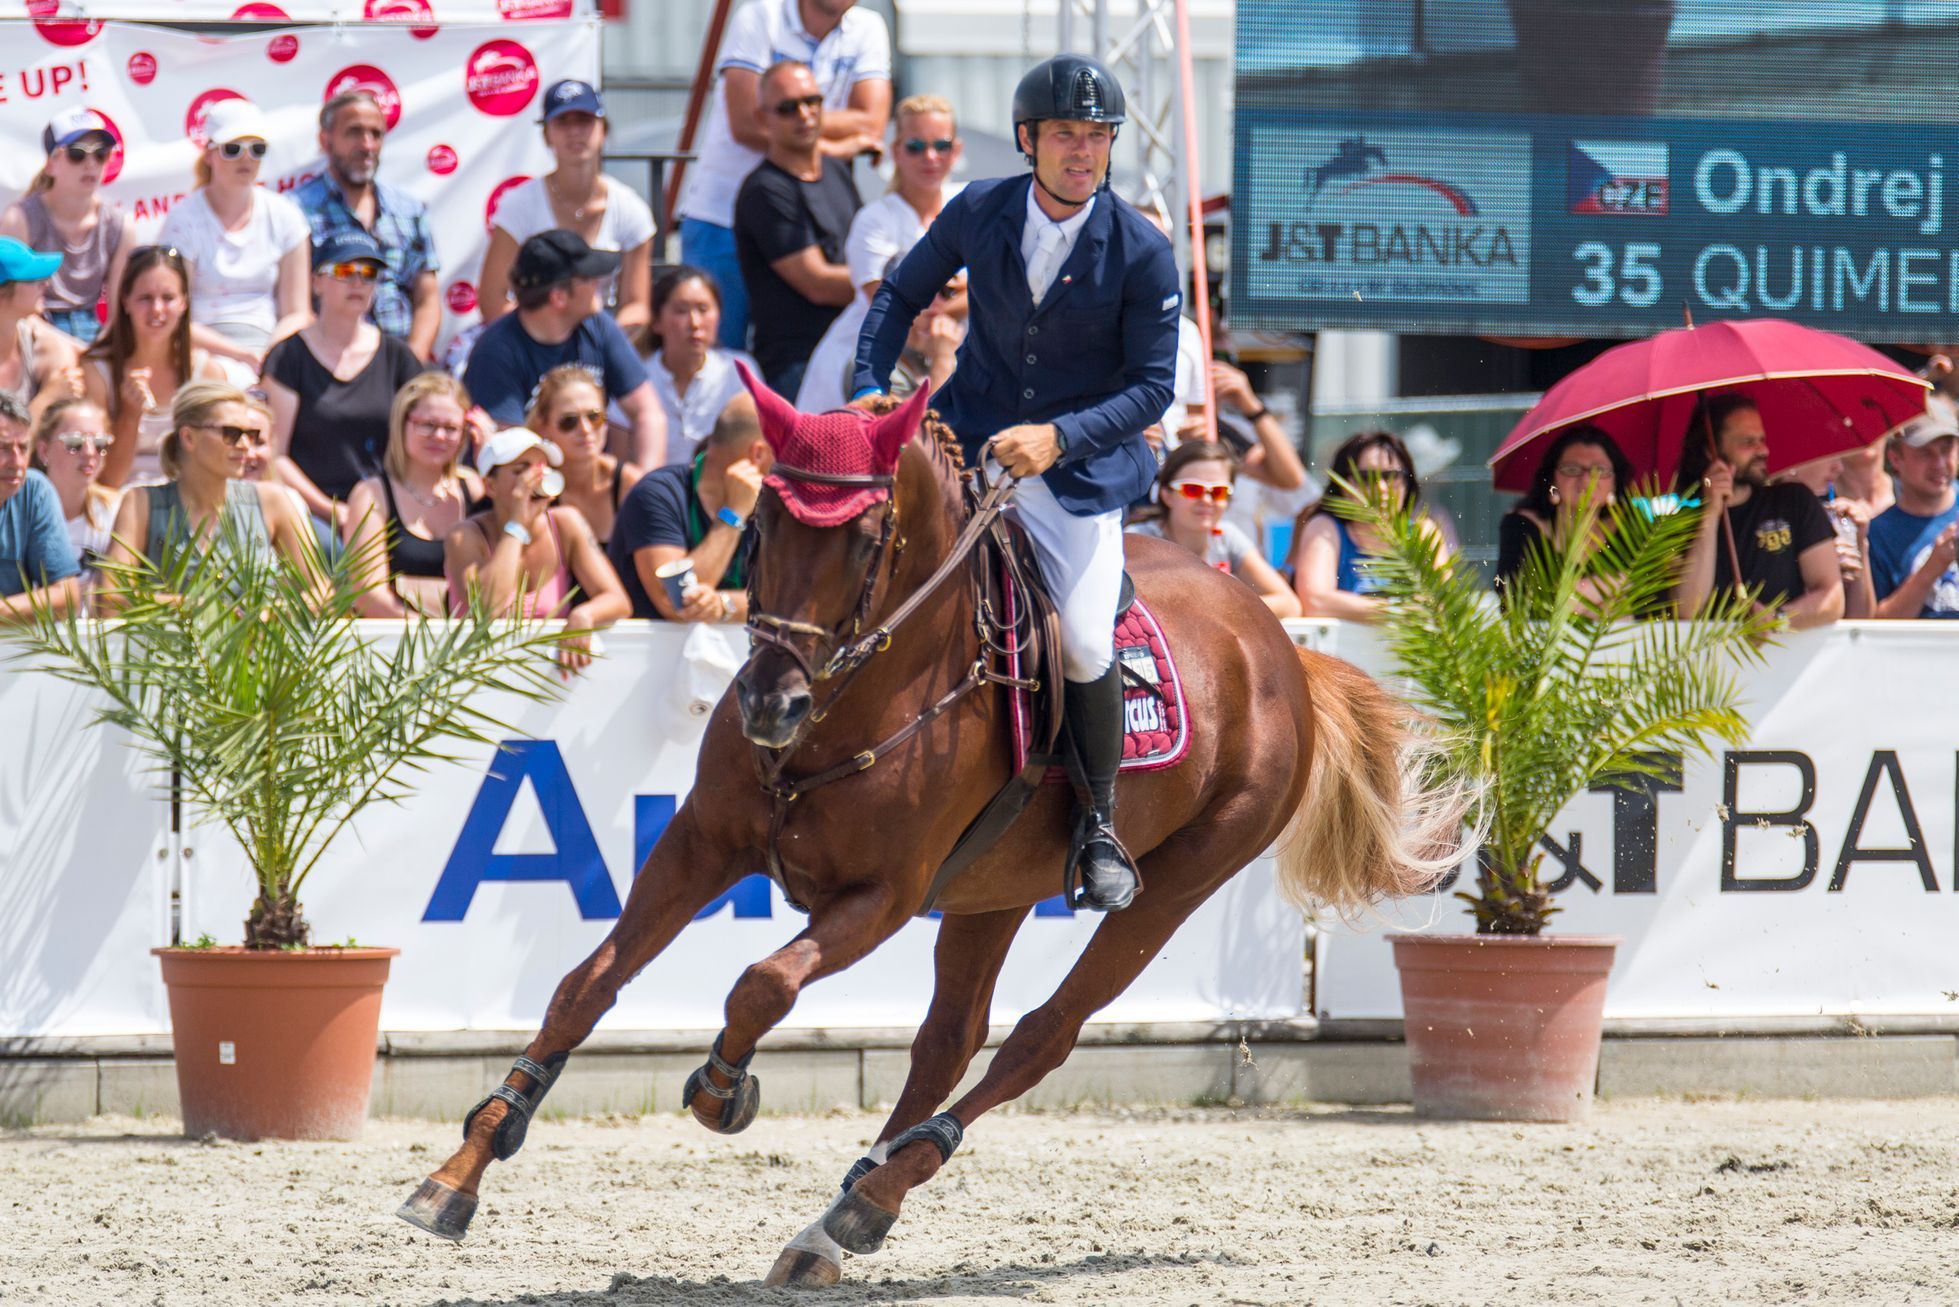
(1373, 824)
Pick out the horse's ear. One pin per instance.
(890, 432)
(777, 414)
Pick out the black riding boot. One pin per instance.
(1095, 725)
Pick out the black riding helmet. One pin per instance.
(1069, 86)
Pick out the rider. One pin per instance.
(1070, 353)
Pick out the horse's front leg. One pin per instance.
(843, 927)
(685, 871)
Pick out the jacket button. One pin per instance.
(1031, 359)
(1027, 394)
(1033, 331)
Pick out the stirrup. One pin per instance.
(1092, 828)
(517, 1121)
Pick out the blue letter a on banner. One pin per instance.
(576, 861)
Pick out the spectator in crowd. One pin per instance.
(931, 345)
(38, 364)
(792, 216)
(1192, 488)
(38, 565)
(848, 48)
(1852, 522)
(926, 145)
(1273, 461)
(332, 383)
(524, 546)
(576, 195)
(1786, 543)
(1583, 465)
(70, 441)
(569, 411)
(138, 363)
(1330, 571)
(699, 512)
(693, 375)
(350, 197)
(1913, 542)
(63, 213)
(245, 245)
(421, 493)
(560, 320)
(205, 455)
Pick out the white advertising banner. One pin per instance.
(461, 101)
(1809, 873)
(61, 20)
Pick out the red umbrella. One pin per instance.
(1819, 394)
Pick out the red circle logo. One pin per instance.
(283, 48)
(419, 13)
(56, 31)
(496, 197)
(194, 116)
(142, 68)
(500, 78)
(366, 77)
(442, 160)
(524, 11)
(461, 297)
(259, 12)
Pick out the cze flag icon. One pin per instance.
(1626, 179)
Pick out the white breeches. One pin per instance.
(1081, 561)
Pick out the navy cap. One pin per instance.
(572, 96)
(349, 246)
(558, 255)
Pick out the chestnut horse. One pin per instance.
(1283, 738)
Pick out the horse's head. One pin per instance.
(828, 535)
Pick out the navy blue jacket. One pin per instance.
(1097, 358)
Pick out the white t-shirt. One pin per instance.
(883, 230)
(234, 275)
(690, 417)
(626, 224)
(764, 32)
(1190, 381)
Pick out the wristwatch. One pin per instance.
(517, 531)
(729, 517)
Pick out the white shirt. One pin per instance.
(883, 230)
(1030, 241)
(1191, 378)
(234, 275)
(760, 33)
(626, 224)
(690, 417)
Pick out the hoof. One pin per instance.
(440, 1210)
(724, 1116)
(798, 1269)
(857, 1223)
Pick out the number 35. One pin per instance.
(1638, 281)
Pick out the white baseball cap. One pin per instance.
(511, 444)
(1939, 420)
(234, 120)
(72, 125)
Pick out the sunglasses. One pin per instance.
(1199, 491)
(917, 145)
(790, 108)
(1572, 471)
(1381, 475)
(232, 149)
(76, 442)
(592, 417)
(83, 153)
(435, 428)
(351, 271)
(233, 435)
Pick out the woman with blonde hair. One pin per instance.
(63, 213)
(71, 438)
(137, 364)
(246, 245)
(925, 146)
(421, 493)
(204, 454)
(568, 410)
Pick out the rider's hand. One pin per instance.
(1027, 450)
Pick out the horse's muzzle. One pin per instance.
(770, 716)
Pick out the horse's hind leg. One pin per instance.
(682, 875)
(1122, 946)
(966, 964)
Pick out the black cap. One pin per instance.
(559, 255)
(351, 245)
(1072, 87)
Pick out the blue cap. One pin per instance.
(572, 96)
(350, 246)
(20, 262)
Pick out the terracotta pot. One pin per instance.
(274, 1045)
(1503, 1027)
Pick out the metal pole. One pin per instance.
(1194, 207)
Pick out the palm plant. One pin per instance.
(1568, 682)
(281, 719)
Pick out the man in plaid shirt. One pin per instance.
(348, 195)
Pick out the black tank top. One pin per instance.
(408, 553)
